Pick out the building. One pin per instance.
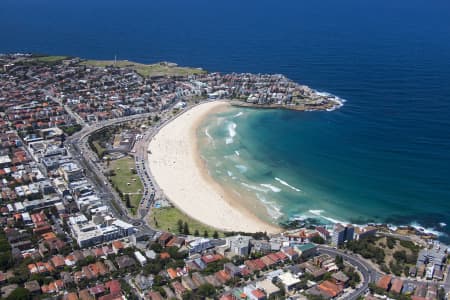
(364, 232)
(140, 258)
(289, 281)
(240, 245)
(199, 245)
(307, 250)
(71, 172)
(397, 285)
(385, 282)
(268, 287)
(342, 234)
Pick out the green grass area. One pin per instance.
(167, 219)
(126, 181)
(98, 148)
(51, 59)
(144, 70)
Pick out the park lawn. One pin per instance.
(51, 59)
(124, 175)
(99, 149)
(167, 219)
(145, 70)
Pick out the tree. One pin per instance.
(127, 200)
(206, 290)
(339, 261)
(317, 239)
(180, 225)
(196, 233)
(185, 228)
(19, 294)
(216, 235)
(205, 234)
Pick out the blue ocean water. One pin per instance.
(384, 156)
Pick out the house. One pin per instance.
(117, 246)
(165, 238)
(58, 261)
(198, 279)
(222, 276)
(330, 288)
(172, 273)
(114, 287)
(155, 296)
(290, 253)
(210, 258)
(125, 261)
(340, 279)
(143, 283)
(307, 250)
(70, 296)
(232, 269)
(289, 281)
(268, 262)
(397, 285)
(270, 289)
(169, 292)
(178, 288)
(323, 233)
(85, 295)
(33, 287)
(98, 290)
(257, 295)
(385, 282)
(188, 283)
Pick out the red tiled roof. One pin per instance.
(330, 288)
(384, 282)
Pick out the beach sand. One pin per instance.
(182, 175)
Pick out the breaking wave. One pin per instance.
(271, 187)
(231, 132)
(241, 168)
(287, 184)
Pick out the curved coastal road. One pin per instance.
(368, 272)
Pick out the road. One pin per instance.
(80, 151)
(368, 272)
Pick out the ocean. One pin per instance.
(383, 157)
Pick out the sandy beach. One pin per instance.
(180, 172)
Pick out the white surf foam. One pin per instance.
(287, 184)
(238, 114)
(319, 213)
(237, 153)
(420, 228)
(207, 134)
(338, 101)
(230, 173)
(254, 187)
(271, 187)
(231, 127)
(273, 210)
(241, 168)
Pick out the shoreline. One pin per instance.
(180, 172)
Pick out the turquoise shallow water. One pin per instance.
(307, 164)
